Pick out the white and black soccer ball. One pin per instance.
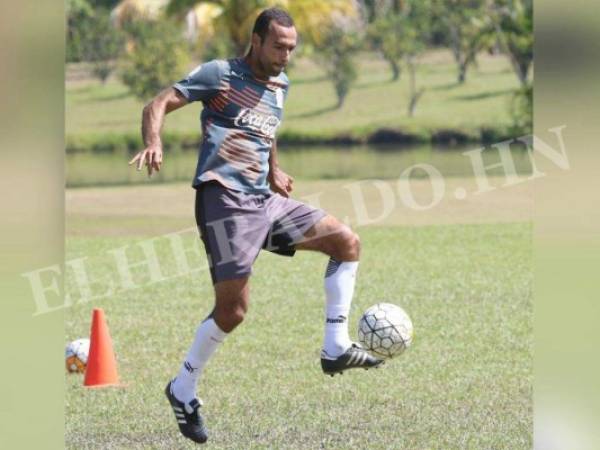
(76, 355)
(385, 330)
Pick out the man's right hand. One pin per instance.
(151, 156)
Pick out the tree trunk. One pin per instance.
(521, 68)
(462, 72)
(395, 70)
(412, 83)
(458, 53)
(523, 72)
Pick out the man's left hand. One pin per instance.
(280, 182)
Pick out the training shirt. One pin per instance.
(240, 117)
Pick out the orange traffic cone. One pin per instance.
(101, 367)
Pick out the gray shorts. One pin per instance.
(235, 226)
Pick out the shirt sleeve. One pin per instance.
(202, 83)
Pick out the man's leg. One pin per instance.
(231, 304)
(342, 245)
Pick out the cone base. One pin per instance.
(98, 386)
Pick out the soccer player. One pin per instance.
(243, 203)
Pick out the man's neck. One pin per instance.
(255, 66)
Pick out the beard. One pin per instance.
(271, 69)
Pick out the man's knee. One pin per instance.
(228, 315)
(352, 245)
(347, 245)
(231, 303)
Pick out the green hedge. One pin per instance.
(131, 143)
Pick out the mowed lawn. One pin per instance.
(465, 383)
(374, 102)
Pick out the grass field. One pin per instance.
(373, 103)
(463, 274)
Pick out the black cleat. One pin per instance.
(354, 357)
(188, 417)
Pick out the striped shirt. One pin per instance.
(239, 120)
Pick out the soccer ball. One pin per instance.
(385, 330)
(76, 355)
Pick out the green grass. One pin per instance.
(465, 383)
(373, 103)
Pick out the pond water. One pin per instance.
(323, 162)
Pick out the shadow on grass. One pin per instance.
(483, 95)
(368, 84)
(316, 112)
(445, 87)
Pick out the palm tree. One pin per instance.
(236, 17)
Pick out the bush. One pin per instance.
(158, 58)
(103, 44)
(79, 16)
(127, 142)
(521, 107)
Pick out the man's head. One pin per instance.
(274, 38)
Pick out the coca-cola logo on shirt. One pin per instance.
(266, 125)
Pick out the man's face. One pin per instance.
(274, 53)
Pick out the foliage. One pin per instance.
(340, 42)
(513, 20)
(377, 104)
(236, 18)
(91, 36)
(159, 56)
(104, 4)
(219, 46)
(467, 28)
(103, 44)
(79, 15)
(521, 107)
(312, 17)
(396, 34)
(386, 34)
(402, 33)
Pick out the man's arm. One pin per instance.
(153, 117)
(280, 181)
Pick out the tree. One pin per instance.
(79, 14)
(521, 107)
(415, 22)
(385, 35)
(103, 44)
(513, 22)
(401, 34)
(236, 17)
(336, 49)
(467, 28)
(158, 58)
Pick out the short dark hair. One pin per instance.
(261, 26)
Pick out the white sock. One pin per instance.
(339, 289)
(208, 337)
